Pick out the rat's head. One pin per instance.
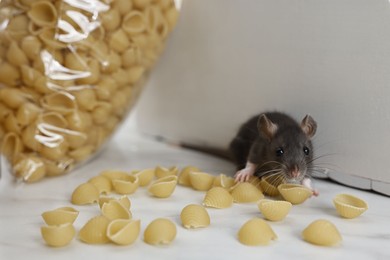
(289, 149)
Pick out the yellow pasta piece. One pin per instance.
(161, 172)
(111, 19)
(218, 197)
(95, 231)
(27, 113)
(134, 23)
(102, 183)
(15, 55)
(12, 125)
(144, 176)
(322, 232)
(269, 184)
(113, 209)
(82, 153)
(54, 151)
(141, 4)
(223, 181)
(194, 216)
(349, 206)
(114, 174)
(12, 97)
(124, 200)
(85, 193)
(119, 41)
(58, 236)
(246, 192)
(184, 176)
(160, 232)
(172, 16)
(123, 232)
(61, 102)
(126, 185)
(31, 46)
(43, 13)
(11, 146)
(30, 169)
(123, 6)
(294, 193)
(201, 181)
(60, 216)
(256, 232)
(163, 187)
(101, 112)
(9, 75)
(274, 210)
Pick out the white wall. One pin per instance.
(230, 59)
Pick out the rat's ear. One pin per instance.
(266, 127)
(309, 126)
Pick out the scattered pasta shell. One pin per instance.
(160, 231)
(218, 197)
(95, 231)
(184, 177)
(124, 200)
(349, 206)
(269, 184)
(123, 231)
(145, 176)
(126, 185)
(102, 183)
(114, 174)
(58, 236)
(322, 232)
(201, 181)
(60, 216)
(246, 192)
(256, 232)
(85, 193)
(224, 181)
(113, 209)
(274, 210)
(294, 193)
(161, 172)
(194, 216)
(163, 187)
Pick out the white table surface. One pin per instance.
(366, 237)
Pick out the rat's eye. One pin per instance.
(306, 150)
(279, 151)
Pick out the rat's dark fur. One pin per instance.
(276, 143)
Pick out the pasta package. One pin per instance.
(70, 72)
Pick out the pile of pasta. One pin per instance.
(70, 71)
(114, 223)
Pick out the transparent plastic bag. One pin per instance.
(70, 71)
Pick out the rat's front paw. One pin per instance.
(243, 175)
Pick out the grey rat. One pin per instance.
(274, 143)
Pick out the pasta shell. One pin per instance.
(124, 200)
(184, 177)
(322, 232)
(269, 184)
(58, 236)
(163, 187)
(102, 183)
(246, 192)
(349, 206)
(145, 176)
(201, 181)
(95, 231)
(63, 103)
(30, 169)
(134, 23)
(114, 174)
(223, 181)
(126, 185)
(123, 232)
(274, 210)
(256, 232)
(160, 232)
(113, 209)
(11, 146)
(163, 172)
(294, 193)
(218, 197)
(194, 216)
(43, 13)
(82, 153)
(85, 193)
(60, 216)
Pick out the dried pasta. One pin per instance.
(256, 232)
(194, 216)
(85, 193)
(86, 61)
(218, 197)
(60, 216)
(322, 232)
(201, 181)
(163, 187)
(95, 231)
(123, 232)
(160, 231)
(114, 209)
(58, 236)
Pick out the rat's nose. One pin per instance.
(295, 171)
